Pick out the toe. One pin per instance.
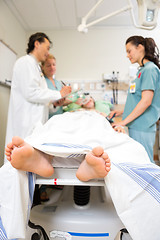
(108, 169)
(98, 151)
(7, 153)
(17, 141)
(105, 156)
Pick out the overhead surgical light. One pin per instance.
(148, 13)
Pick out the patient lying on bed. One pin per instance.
(64, 135)
(132, 182)
(89, 104)
(24, 157)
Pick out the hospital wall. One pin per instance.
(85, 57)
(14, 36)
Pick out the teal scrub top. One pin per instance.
(58, 88)
(148, 78)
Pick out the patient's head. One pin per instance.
(86, 102)
(90, 103)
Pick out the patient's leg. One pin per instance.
(24, 157)
(95, 165)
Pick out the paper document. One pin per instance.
(62, 98)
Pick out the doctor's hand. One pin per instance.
(65, 91)
(59, 103)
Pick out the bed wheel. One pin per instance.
(35, 236)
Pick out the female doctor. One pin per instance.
(142, 108)
(30, 97)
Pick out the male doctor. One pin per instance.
(30, 98)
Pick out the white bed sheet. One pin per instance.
(133, 181)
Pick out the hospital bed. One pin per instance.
(132, 183)
(81, 211)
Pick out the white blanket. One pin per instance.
(133, 181)
(15, 201)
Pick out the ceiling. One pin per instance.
(67, 14)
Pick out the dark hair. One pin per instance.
(40, 37)
(150, 47)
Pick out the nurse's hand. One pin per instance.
(121, 123)
(116, 112)
(65, 91)
(119, 129)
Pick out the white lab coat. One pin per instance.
(29, 98)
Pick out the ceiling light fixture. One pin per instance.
(147, 10)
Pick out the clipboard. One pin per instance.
(69, 94)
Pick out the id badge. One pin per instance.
(132, 88)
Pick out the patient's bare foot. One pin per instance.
(95, 165)
(24, 157)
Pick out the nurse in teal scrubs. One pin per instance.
(49, 70)
(142, 108)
